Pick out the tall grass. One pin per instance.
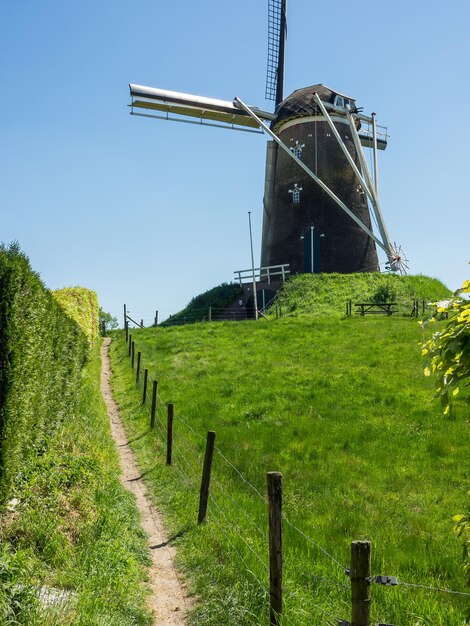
(342, 409)
(72, 548)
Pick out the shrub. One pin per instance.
(42, 351)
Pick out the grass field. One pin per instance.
(342, 409)
(72, 551)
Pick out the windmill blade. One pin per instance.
(187, 105)
(277, 32)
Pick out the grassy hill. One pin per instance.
(341, 407)
(327, 294)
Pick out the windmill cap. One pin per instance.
(301, 102)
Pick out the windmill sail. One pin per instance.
(220, 112)
(276, 41)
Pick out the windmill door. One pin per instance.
(312, 243)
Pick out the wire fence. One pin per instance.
(240, 517)
(405, 307)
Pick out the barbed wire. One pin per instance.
(434, 589)
(263, 586)
(235, 531)
(259, 530)
(237, 471)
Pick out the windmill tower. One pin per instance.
(319, 193)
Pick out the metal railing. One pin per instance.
(264, 274)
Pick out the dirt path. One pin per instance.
(168, 599)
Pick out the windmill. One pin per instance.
(319, 192)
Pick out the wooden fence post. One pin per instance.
(210, 314)
(275, 546)
(141, 323)
(146, 376)
(169, 434)
(125, 315)
(155, 323)
(137, 374)
(206, 477)
(130, 345)
(132, 354)
(153, 410)
(126, 327)
(360, 583)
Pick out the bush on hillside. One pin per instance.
(219, 297)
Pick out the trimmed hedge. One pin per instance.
(82, 306)
(42, 351)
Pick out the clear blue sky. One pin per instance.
(152, 213)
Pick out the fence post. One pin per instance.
(153, 410)
(126, 327)
(275, 546)
(125, 315)
(169, 434)
(206, 477)
(132, 354)
(360, 583)
(139, 356)
(210, 314)
(141, 323)
(155, 323)
(130, 345)
(146, 376)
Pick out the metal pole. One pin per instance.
(375, 202)
(255, 301)
(342, 144)
(311, 248)
(376, 163)
(309, 172)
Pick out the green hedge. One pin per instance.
(82, 306)
(42, 351)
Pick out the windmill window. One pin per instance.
(297, 149)
(295, 193)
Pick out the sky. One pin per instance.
(151, 213)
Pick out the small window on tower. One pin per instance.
(295, 194)
(297, 149)
(339, 101)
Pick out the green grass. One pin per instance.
(74, 531)
(342, 409)
(326, 294)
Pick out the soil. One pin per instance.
(169, 598)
